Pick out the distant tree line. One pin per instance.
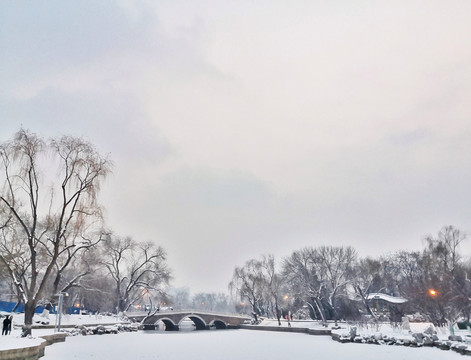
(332, 282)
(181, 299)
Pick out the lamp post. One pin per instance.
(59, 311)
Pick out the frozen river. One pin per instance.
(229, 345)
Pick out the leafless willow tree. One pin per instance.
(259, 283)
(138, 269)
(48, 201)
(247, 284)
(274, 284)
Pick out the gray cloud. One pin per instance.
(243, 128)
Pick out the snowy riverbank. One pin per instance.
(415, 335)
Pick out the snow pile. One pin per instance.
(101, 330)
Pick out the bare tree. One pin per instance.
(445, 248)
(40, 222)
(435, 280)
(335, 265)
(366, 273)
(317, 275)
(273, 284)
(301, 272)
(83, 265)
(83, 279)
(439, 267)
(137, 269)
(247, 283)
(372, 276)
(96, 292)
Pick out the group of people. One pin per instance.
(7, 325)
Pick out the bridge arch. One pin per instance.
(218, 324)
(169, 324)
(200, 324)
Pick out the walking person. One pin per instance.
(6, 324)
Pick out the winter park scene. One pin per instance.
(235, 179)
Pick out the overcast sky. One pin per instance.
(240, 128)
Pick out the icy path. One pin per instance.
(229, 345)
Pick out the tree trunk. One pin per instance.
(321, 311)
(336, 315)
(365, 303)
(56, 283)
(255, 312)
(121, 306)
(119, 300)
(278, 313)
(29, 313)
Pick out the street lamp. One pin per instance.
(59, 311)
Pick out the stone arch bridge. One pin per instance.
(202, 320)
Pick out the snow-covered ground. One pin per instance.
(229, 345)
(14, 340)
(226, 344)
(297, 323)
(18, 319)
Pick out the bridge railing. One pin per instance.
(215, 313)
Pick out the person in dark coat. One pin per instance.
(6, 324)
(10, 324)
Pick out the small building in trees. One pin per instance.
(385, 305)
